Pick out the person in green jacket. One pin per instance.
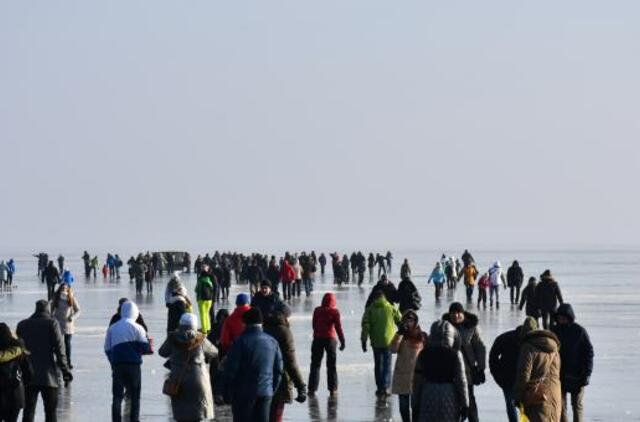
(379, 324)
(204, 297)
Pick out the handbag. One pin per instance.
(171, 387)
(536, 392)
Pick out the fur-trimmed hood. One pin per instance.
(470, 320)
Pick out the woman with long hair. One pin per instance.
(65, 310)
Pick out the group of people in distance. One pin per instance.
(246, 358)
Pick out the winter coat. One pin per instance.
(233, 327)
(528, 298)
(576, 351)
(469, 273)
(515, 276)
(379, 323)
(407, 349)
(548, 295)
(326, 319)
(15, 372)
(4, 271)
(503, 359)
(287, 273)
(176, 306)
(126, 341)
(188, 352)
(51, 275)
(439, 385)
(42, 337)
(539, 361)
(253, 367)
(11, 265)
(66, 314)
(389, 290)
(472, 347)
(496, 276)
(204, 288)
(271, 306)
(140, 321)
(408, 296)
(437, 276)
(291, 376)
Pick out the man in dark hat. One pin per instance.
(42, 337)
(272, 307)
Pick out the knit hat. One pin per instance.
(456, 307)
(242, 299)
(252, 317)
(530, 324)
(189, 321)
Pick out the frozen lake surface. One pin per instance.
(599, 284)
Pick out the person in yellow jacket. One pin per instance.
(379, 325)
(469, 273)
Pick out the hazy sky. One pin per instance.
(334, 123)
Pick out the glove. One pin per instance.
(364, 346)
(302, 396)
(70, 319)
(67, 377)
(342, 346)
(464, 413)
(479, 378)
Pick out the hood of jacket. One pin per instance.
(543, 340)
(329, 300)
(442, 333)
(381, 302)
(129, 310)
(566, 310)
(410, 313)
(187, 338)
(470, 320)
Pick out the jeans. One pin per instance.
(404, 401)
(126, 378)
(253, 410)
(512, 406)
(67, 348)
(576, 405)
(318, 348)
(438, 290)
(494, 290)
(308, 286)
(469, 290)
(382, 368)
(482, 296)
(286, 291)
(49, 398)
(514, 293)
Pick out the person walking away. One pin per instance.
(440, 390)
(405, 270)
(287, 276)
(503, 363)
(125, 344)
(94, 266)
(308, 272)
(327, 329)
(118, 316)
(4, 274)
(539, 371)
(576, 355)
(42, 337)
(472, 348)
(86, 260)
(379, 325)
(298, 280)
(469, 273)
(253, 370)
(438, 278)
(528, 299)
(515, 277)
(389, 258)
(60, 263)
(52, 278)
(548, 295)
(407, 343)
(291, 376)
(408, 296)
(66, 310)
(450, 272)
(204, 298)
(14, 372)
(188, 352)
(177, 302)
(483, 287)
(495, 277)
(467, 258)
(140, 269)
(11, 270)
(233, 326)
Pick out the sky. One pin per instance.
(256, 124)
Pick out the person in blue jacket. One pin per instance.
(125, 343)
(438, 277)
(12, 270)
(252, 371)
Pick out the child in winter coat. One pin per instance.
(483, 286)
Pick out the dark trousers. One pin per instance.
(404, 401)
(438, 290)
(473, 407)
(382, 368)
(286, 291)
(255, 410)
(49, 398)
(126, 379)
(318, 349)
(469, 290)
(296, 287)
(67, 347)
(51, 289)
(514, 293)
(512, 406)
(9, 415)
(547, 319)
(482, 296)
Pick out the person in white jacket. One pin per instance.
(495, 276)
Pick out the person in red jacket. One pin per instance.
(326, 330)
(287, 276)
(233, 326)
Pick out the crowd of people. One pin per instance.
(247, 358)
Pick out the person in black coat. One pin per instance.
(42, 337)
(576, 356)
(273, 309)
(15, 371)
(515, 277)
(548, 296)
(528, 299)
(503, 363)
(408, 295)
(388, 289)
(116, 317)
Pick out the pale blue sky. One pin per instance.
(335, 123)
